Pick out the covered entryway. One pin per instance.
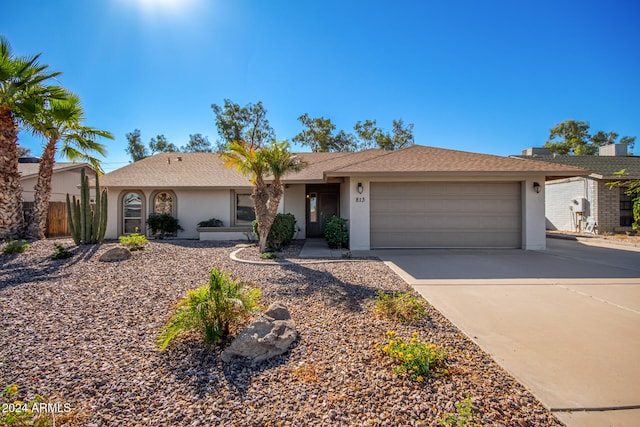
(323, 201)
(446, 215)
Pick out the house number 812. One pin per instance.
(359, 199)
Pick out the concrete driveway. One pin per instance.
(565, 322)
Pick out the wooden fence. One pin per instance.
(57, 225)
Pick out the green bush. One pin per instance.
(402, 307)
(214, 310)
(415, 358)
(163, 224)
(15, 247)
(268, 255)
(336, 232)
(282, 231)
(211, 222)
(61, 252)
(134, 241)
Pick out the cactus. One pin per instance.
(87, 226)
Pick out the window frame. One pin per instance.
(121, 212)
(234, 208)
(626, 208)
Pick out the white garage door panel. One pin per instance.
(446, 215)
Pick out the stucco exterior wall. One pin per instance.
(359, 207)
(533, 222)
(293, 202)
(62, 182)
(192, 206)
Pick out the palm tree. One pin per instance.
(61, 121)
(272, 161)
(23, 94)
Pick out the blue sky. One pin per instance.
(484, 76)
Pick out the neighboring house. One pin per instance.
(410, 198)
(572, 201)
(65, 180)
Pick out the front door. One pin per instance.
(322, 204)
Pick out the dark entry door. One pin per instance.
(321, 205)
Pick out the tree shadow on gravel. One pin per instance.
(18, 269)
(199, 367)
(337, 292)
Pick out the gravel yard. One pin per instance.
(83, 332)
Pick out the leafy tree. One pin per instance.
(24, 91)
(135, 147)
(24, 151)
(197, 144)
(159, 144)
(61, 122)
(273, 160)
(319, 135)
(573, 137)
(248, 124)
(371, 136)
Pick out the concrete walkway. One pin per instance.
(318, 248)
(565, 322)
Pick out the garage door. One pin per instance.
(446, 215)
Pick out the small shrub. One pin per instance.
(463, 416)
(163, 225)
(347, 255)
(281, 233)
(416, 359)
(15, 247)
(211, 222)
(134, 241)
(61, 252)
(214, 310)
(336, 232)
(401, 307)
(268, 255)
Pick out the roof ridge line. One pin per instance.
(382, 153)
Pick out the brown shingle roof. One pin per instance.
(422, 160)
(176, 170)
(206, 170)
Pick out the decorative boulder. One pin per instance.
(115, 254)
(269, 335)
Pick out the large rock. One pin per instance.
(115, 254)
(269, 335)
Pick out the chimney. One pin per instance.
(613, 150)
(536, 151)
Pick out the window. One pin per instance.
(626, 208)
(245, 212)
(313, 207)
(163, 203)
(132, 213)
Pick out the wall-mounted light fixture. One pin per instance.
(537, 187)
(360, 188)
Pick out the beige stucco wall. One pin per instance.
(293, 202)
(192, 207)
(62, 182)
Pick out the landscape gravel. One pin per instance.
(82, 332)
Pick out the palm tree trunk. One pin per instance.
(11, 211)
(260, 199)
(37, 224)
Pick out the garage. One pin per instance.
(446, 215)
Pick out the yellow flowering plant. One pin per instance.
(415, 359)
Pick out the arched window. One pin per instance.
(163, 203)
(132, 221)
